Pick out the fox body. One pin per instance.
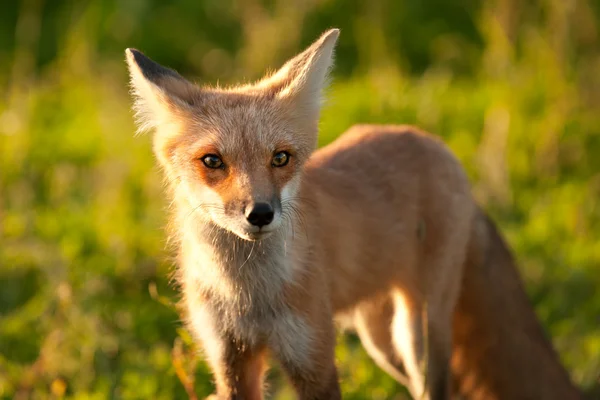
(276, 240)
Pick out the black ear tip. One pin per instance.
(130, 53)
(137, 56)
(149, 68)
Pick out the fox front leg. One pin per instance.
(305, 348)
(238, 372)
(237, 367)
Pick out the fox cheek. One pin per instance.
(205, 200)
(289, 190)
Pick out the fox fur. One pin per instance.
(379, 228)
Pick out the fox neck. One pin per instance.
(244, 274)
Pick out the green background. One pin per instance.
(86, 308)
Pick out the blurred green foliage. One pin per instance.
(86, 308)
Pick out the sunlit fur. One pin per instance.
(377, 227)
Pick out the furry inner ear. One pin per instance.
(160, 93)
(302, 79)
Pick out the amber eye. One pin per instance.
(212, 161)
(281, 159)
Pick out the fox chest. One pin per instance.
(284, 332)
(246, 305)
(253, 321)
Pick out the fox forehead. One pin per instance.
(239, 126)
(245, 135)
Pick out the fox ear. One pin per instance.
(159, 93)
(302, 79)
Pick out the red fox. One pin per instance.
(380, 228)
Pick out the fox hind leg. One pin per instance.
(405, 343)
(425, 345)
(373, 324)
(424, 311)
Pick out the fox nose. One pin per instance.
(259, 214)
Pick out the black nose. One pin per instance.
(259, 214)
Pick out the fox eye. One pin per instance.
(281, 159)
(212, 161)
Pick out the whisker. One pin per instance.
(294, 215)
(249, 255)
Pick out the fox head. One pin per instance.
(235, 156)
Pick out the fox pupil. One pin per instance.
(212, 161)
(281, 159)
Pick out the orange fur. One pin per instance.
(500, 349)
(377, 226)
